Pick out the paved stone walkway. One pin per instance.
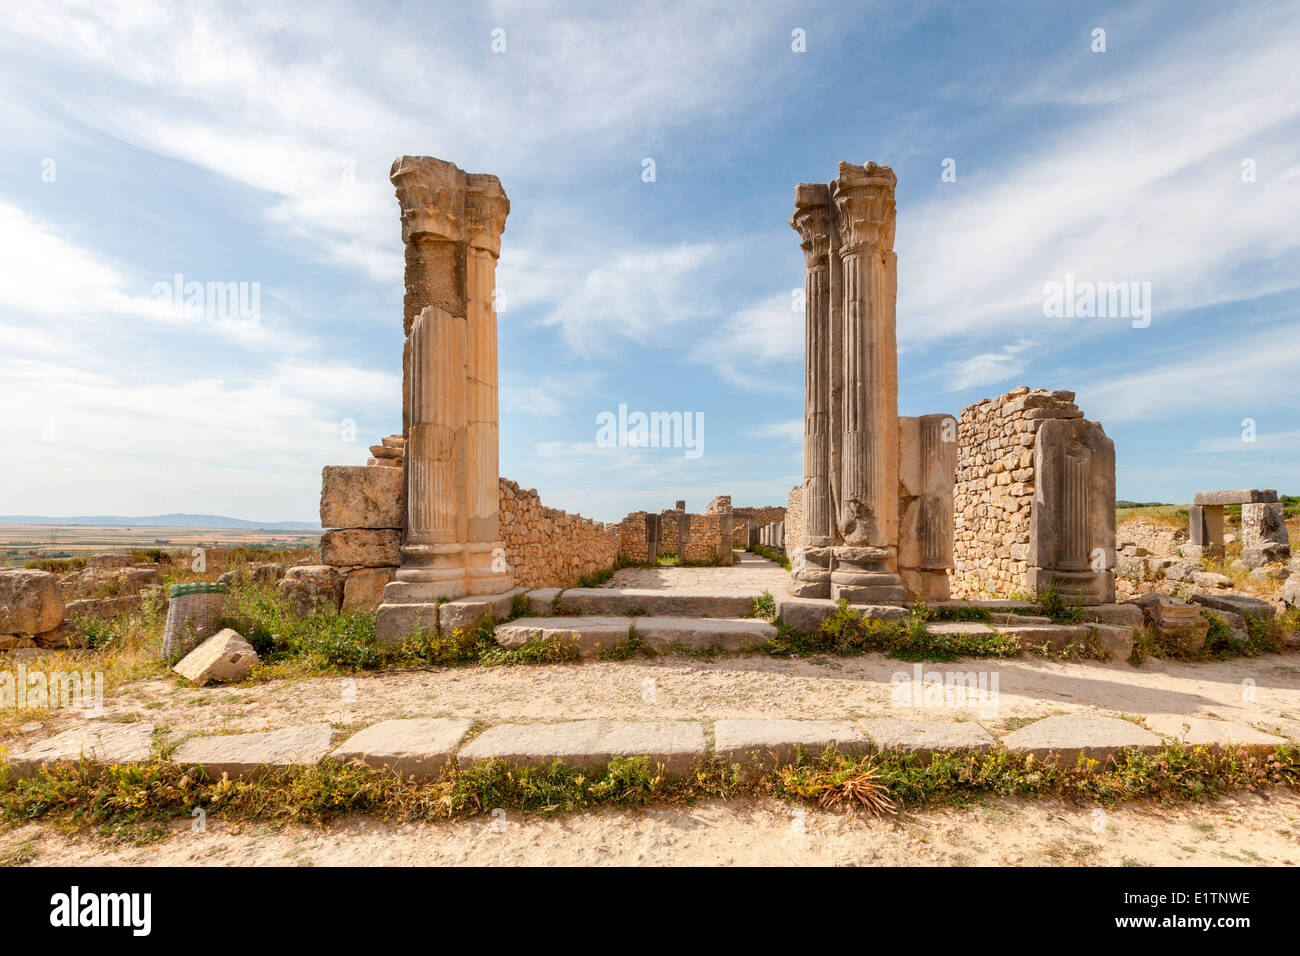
(749, 573)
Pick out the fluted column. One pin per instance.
(813, 221)
(486, 208)
(451, 227)
(867, 518)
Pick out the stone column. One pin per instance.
(486, 208)
(451, 226)
(813, 221)
(865, 564)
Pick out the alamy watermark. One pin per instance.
(945, 690)
(240, 301)
(651, 430)
(70, 690)
(1084, 299)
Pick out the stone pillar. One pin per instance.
(865, 564)
(927, 471)
(451, 227)
(486, 208)
(1072, 524)
(814, 222)
(1264, 537)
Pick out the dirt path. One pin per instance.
(1248, 830)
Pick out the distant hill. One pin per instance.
(162, 521)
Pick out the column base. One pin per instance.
(862, 575)
(927, 584)
(813, 579)
(1084, 588)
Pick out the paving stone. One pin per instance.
(245, 754)
(541, 601)
(590, 634)
(413, 748)
(1202, 731)
(666, 602)
(105, 743)
(765, 743)
(589, 744)
(704, 632)
(1064, 736)
(469, 612)
(926, 737)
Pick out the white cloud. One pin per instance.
(1264, 442)
(989, 368)
(1256, 371)
(792, 430)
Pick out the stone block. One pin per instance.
(363, 588)
(412, 748)
(30, 601)
(703, 633)
(361, 547)
(926, 737)
(541, 601)
(758, 744)
(356, 496)
(225, 656)
(395, 623)
(310, 588)
(1202, 731)
(590, 744)
(1238, 604)
(1064, 737)
(590, 634)
(241, 755)
(1239, 497)
(470, 612)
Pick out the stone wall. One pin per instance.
(632, 538)
(550, 548)
(1159, 540)
(793, 520)
(994, 491)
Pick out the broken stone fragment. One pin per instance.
(225, 656)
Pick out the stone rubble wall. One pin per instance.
(633, 544)
(793, 519)
(548, 547)
(1159, 540)
(993, 495)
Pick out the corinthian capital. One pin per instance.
(812, 220)
(431, 193)
(864, 197)
(486, 208)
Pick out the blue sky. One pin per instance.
(252, 144)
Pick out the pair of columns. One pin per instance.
(849, 547)
(451, 227)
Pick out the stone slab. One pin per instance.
(1202, 731)
(1064, 737)
(765, 743)
(667, 602)
(469, 612)
(926, 737)
(1244, 496)
(104, 743)
(730, 634)
(541, 601)
(1120, 615)
(806, 614)
(413, 748)
(589, 744)
(1237, 604)
(242, 755)
(590, 634)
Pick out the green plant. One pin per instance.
(1053, 605)
(764, 606)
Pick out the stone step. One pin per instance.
(590, 744)
(674, 602)
(240, 755)
(595, 633)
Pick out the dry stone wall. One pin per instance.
(550, 548)
(994, 492)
